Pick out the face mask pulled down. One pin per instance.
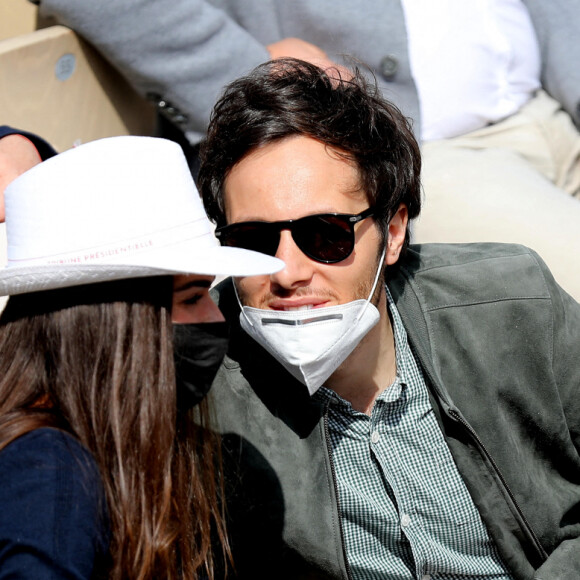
(312, 344)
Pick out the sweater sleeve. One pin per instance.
(181, 52)
(52, 510)
(565, 327)
(44, 149)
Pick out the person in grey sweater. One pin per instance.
(492, 88)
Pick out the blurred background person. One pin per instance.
(492, 87)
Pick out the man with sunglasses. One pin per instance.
(388, 411)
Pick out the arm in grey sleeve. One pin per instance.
(557, 25)
(564, 562)
(184, 51)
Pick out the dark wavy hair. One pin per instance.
(97, 362)
(289, 97)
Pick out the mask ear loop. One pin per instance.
(377, 276)
(240, 304)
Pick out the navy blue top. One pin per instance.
(44, 149)
(52, 522)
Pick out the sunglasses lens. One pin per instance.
(326, 238)
(260, 237)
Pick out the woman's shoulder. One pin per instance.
(51, 464)
(52, 507)
(46, 439)
(46, 452)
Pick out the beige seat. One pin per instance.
(18, 17)
(55, 85)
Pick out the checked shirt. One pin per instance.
(405, 511)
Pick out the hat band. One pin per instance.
(120, 250)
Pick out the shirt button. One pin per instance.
(405, 520)
(375, 436)
(389, 66)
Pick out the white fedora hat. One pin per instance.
(122, 207)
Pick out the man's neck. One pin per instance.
(370, 369)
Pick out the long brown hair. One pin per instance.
(97, 361)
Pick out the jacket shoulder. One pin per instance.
(445, 274)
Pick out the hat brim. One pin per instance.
(216, 260)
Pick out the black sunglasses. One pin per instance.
(324, 237)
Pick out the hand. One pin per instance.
(17, 155)
(298, 48)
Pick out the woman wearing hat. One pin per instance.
(103, 471)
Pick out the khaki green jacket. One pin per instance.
(499, 343)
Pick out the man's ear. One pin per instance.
(396, 237)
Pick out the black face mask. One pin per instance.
(198, 351)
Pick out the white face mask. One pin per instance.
(312, 344)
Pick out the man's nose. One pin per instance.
(299, 267)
